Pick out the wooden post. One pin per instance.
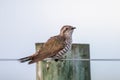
(39, 73)
(66, 69)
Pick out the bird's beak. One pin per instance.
(73, 27)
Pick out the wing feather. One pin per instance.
(50, 48)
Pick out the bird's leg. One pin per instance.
(60, 59)
(56, 60)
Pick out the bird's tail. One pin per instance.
(25, 59)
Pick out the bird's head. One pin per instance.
(67, 30)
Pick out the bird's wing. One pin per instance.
(50, 48)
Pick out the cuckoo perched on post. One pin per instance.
(54, 48)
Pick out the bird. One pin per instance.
(55, 47)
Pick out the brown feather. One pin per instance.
(50, 48)
(53, 46)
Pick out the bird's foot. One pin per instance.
(61, 59)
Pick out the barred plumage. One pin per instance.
(55, 47)
(62, 52)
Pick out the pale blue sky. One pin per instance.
(25, 22)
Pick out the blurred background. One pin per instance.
(26, 22)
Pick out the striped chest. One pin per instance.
(64, 50)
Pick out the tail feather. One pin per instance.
(25, 59)
(33, 58)
(31, 62)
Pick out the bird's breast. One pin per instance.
(64, 50)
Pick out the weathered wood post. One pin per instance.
(66, 69)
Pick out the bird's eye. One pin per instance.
(67, 28)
